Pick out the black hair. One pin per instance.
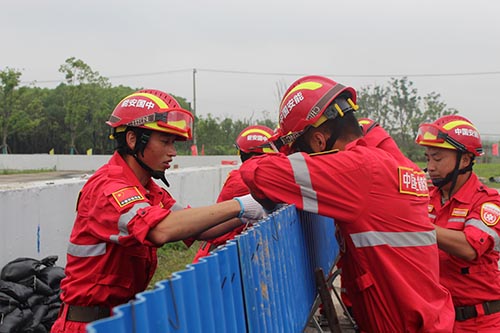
(122, 147)
(345, 128)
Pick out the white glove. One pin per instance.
(250, 209)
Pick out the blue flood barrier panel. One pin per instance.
(175, 305)
(217, 300)
(190, 300)
(263, 281)
(204, 296)
(226, 288)
(236, 286)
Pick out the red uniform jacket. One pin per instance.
(474, 209)
(233, 187)
(109, 259)
(379, 202)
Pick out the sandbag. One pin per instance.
(52, 276)
(50, 317)
(29, 295)
(18, 291)
(20, 268)
(12, 322)
(36, 299)
(38, 286)
(7, 299)
(39, 313)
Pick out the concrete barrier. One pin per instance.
(36, 218)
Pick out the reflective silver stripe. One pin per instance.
(177, 206)
(457, 219)
(432, 216)
(394, 239)
(483, 227)
(303, 179)
(86, 250)
(125, 219)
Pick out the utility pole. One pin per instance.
(194, 104)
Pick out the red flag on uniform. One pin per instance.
(494, 149)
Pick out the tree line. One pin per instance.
(70, 118)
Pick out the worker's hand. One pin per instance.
(250, 209)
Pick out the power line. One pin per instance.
(287, 74)
(356, 75)
(121, 76)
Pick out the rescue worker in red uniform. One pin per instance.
(390, 264)
(123, 215)
(375, 135)
(252, 141)
(466, 214)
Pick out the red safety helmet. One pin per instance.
(154, 110)
(255, 139)
(306, 103)
(367, 124)
(451, 132)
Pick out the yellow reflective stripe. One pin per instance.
(394, 239)
(85, 251)
(456, 123)
(303, 179)
(306, 86)
(256, 130)
(156, 99)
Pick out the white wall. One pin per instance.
(36, 218)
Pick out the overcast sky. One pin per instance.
(245, 50)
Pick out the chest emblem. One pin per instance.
(127, 195)
(461, 212)
(490, 213)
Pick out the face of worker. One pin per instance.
(441, 161)
(159, 151)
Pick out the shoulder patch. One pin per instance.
(127, 195)
(462, 212)
(490, 213)
(412, 182)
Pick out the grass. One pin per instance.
(486, 171)
(16, 172)
(173, 257)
